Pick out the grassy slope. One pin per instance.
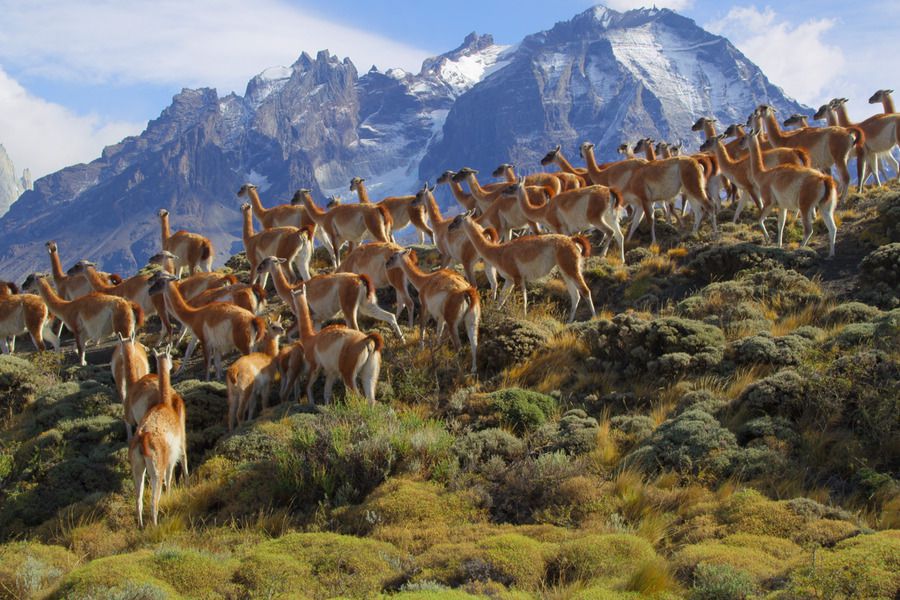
(726, 428)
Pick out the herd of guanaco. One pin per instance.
(785, 167)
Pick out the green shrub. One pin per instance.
(703, 400)
(521, 410)
(19, 380)
(529, 487)
(477, 447)
(575, 433)
(29, 568)
(764, 349)
(748, 511)
(865, 566)
(879, 277)
(515, 560)
(319, 565)
(635, 427)
(721, 582)
(889, 216)
(347, 450)
(851, 312)
(615, 555)
(758, 564)
(719, 262)
(782, 393)
(629, 346)
(505, 341)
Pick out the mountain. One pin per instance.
(604, 76)
(10, 186)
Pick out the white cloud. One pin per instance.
(796, 57)
(46, 137)
(220, 44)
(623, 5)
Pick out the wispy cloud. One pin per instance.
(45, 137)
(796, 57)
(221, 43)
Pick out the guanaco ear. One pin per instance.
(557, 148)
(521, 180)
(280, 261)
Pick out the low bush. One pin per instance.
(879, 277)
(29, 569)
(764, 349)
(517, 409)
(721, 582)
(851, 312)
(591, 557)
(722, 262)
(19, 381)
(505, 341)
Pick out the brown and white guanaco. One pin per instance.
(369, 259)
(24, 313)
(349, 223)
(194, 251)
(290, 243)
(402, 211)
(250, 378)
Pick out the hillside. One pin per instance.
(602, 76)
(727, 427)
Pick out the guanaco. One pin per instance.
(574, 211)
(790, 188)
(549, 181)
(290, 243)
(138, 388)
(447, 297)
(349, 222)
(882, 134)
(291, 367)
(283, 215)
(402, 211)
(24, 313)
(159, 443)
(454, 246)
(193, 250)
(219, 327)
(533, 257)
(251, 377)
(369, 259)
(93, 316)
(349, 293)
(338, 351)
(556, 156)
(506, 206)
(887, 101)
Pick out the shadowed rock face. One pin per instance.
(603, 76)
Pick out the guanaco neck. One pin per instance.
(739, 132)
(564, 164)
(484, 246)
(887, 101)
(412, 271)
(722, 155)
(184, 311)
(247, 230)
(510, 174)
(478, 192)
(314, 211)
(362, 193)
(53, 300)
(258, 209)
(304, 321)
(432, 208)
(709, 129)
(128, 362)
(532, 211)
(461, 196)
(592, 166)
(649, 152)
(843, 118)
(96, 281)
(270, 344)
(56, 267)
(166, 233)
(282, 286)
(165, 382)
(756, 162)
(773, 129)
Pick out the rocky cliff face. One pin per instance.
(10, 186)
(603, 76)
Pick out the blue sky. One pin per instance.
(77, 76)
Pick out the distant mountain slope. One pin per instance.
(604, 76)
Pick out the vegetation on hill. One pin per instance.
(728, 427)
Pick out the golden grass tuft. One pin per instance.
(552, 366)
(652, 578)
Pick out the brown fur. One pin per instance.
(282, 215)
(24, 312)
(193, 250)
(351, 223)
(369, 259)
(400, 208)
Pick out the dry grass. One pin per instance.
(606, 455)
(810, 315)
(557, 363)
(653, 578)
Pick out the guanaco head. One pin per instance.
(394, 260)
(550, 156)
(879, 96)
(464, 173)
(701, 123)
(500, 171)
(269, 264)
(162, 213)
(354, 183)
(662, 147)
(459, 219)
(161, 257)
(245, 207)
(51, 247)
(421, 195)
(298, 196)
(159, 282)
(642, 145)
(333, 200)
(445, 177)
(709, 144)
(585, 148)
(245, 189)
(163, 359)
(734, 130)
(30, 283)
(798, 120)
(821, 115)
(80, 267)
(623, 148)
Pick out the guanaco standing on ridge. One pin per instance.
(369, 259)
(93, 316)
(827, 146)
(134, 288)
(790, 188)
(402, 211)
(533, 257)
(219, 327)
(738, 171)
(251, 377)
(291, 367)
(329, 294)
(138, 387)
(556, 156)
(290, 243)
(549, 181)
(23, 313)
(338, 351)
(454, 246)
(191, 249)
(349, 223)
(506, 206)
(159, 443)
(283, 215)
(447, 297)
(464, 198)
(569, 213)
(882, 134)
(887, 101)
